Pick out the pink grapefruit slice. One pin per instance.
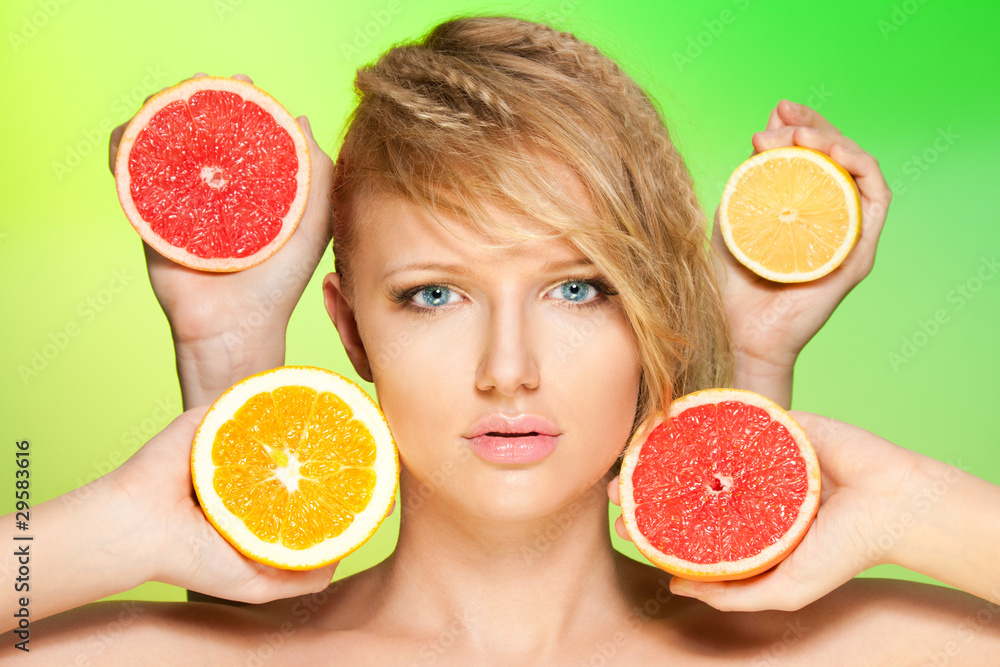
(213, 173)
(723, 488)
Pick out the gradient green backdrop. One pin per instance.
(913, 82)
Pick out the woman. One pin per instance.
(569, 283)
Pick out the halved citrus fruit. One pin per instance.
(790, 214)
(213, 173)
(723, 488)
(295, 466)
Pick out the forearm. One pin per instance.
(81, 550)
(207, 368)
(771, 380)
(950, 530)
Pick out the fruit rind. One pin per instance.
(184, 90)
(232, 527)
(723, 570)
(827, 164)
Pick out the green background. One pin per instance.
(894, 76)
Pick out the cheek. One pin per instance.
(596, 369)
(419, 379)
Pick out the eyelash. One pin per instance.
(403, 295)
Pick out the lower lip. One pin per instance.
(519, 449)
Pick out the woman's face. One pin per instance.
(478, 332)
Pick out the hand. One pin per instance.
(772, 322)
(180, 545)
(868, 484)
(228, 325)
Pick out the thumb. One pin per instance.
(273, 583)
(770, 590)
(797, 581)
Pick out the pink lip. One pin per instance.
(525, 439)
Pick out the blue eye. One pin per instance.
(434, 295)
(576, 290)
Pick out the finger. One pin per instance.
(799, 114)
(274, 583)
(871, 182)
(113, 143)
(771, 590)
(614, 493)
(864, 168)
(775, 138)
(798, 135)
(242, 77)
(620, 529)
(774, 122)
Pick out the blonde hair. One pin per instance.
(467, 115)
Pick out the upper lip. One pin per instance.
(523, 425)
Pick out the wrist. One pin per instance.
(765, 376)
(947, 527)
(206, 368)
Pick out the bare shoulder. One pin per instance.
(866, 621)
(922, 623)
(136, 632)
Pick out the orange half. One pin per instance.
(295, 467)
(790, 214)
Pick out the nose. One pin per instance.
(508, 361)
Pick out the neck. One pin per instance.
(511, 586)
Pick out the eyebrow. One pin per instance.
(463, 269)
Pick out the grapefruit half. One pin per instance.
(723, 488)
(295, 467)
(213, 173)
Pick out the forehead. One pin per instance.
(395, 230)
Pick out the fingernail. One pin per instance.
(795, 105)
